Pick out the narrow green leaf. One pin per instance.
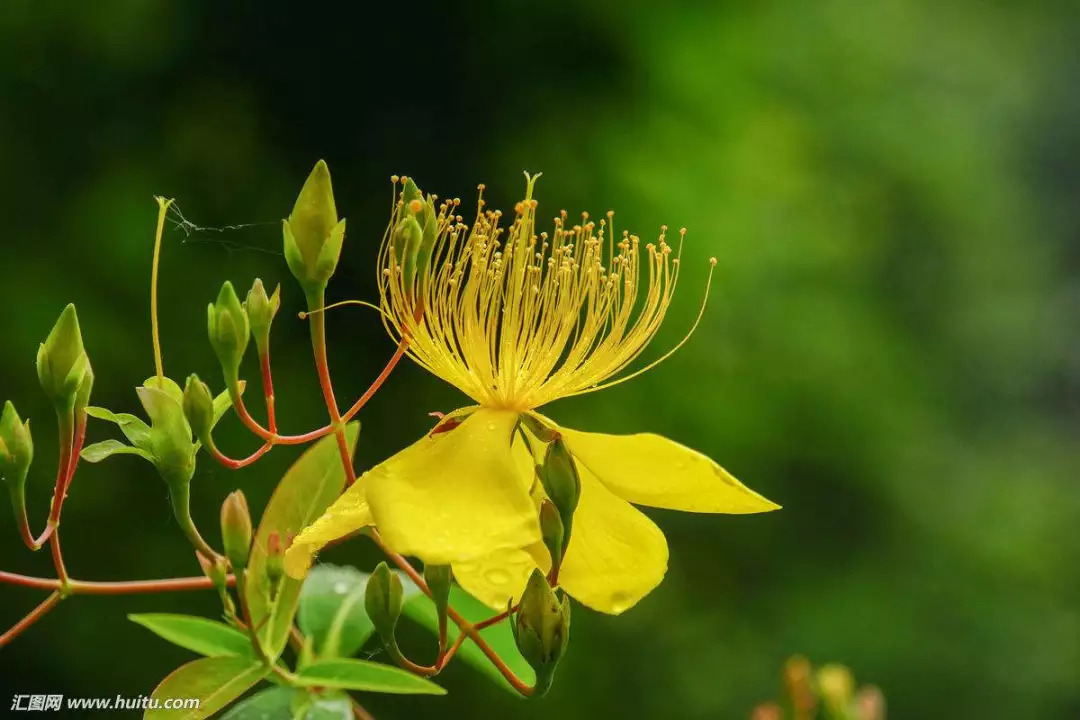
(314, 481)
(134, 429)
(351, 674)
(214, 682)
(266, 704)
(107, 448)
(198, 634)
(332, 610)
(499, 637)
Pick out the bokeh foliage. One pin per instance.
(892, 347)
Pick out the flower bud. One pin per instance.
(261, 311)
(869, 704)
(541, 629)
(16, 445)
(199, 408)
(797, 672)
(551, 531)
(836, 686)
(16, 454)
(559, 476)
(82, 397)
(313, 234)
(62, 363)
(169, 440)
(383, 598)
(438, 579)
(236, 529)
(229, 330)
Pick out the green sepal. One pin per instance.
(62, 361)
(229, 331)
(198, 406)
(16, 456)
(552, 532)
(383, 599)
(261, 310)
(561, 482)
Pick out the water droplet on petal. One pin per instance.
(491, 426)
(620, 602)
(497, 576)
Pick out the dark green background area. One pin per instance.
(891, 349)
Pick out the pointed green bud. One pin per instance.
(438, 579)
(407, 238)
(61, 360)
(541, 629)
(552, 532)
(16, 454)
(236, 529)
(383, 599)
(169, 440)
(261, 311)
(836, 687)
(227, 325)
(313, 234)
(559, 476)
(199, 408)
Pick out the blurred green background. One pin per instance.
(891, 351)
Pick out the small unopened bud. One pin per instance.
(169, 442)
(551, 531)
(541, 629)
(261, 311)
(561, 482)
(16, 454)
(767, 711)
(438, 579)
(869, 704)
(797, 672)
(199, 408)
(236, 529)
(836, 686)
(313, 234)
(62, 363)
(229, 331)
(383, 599)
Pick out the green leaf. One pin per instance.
(328, 706)
(499, 637)
(332, 610)
(314, 481)
(214, 682)
(267, 704)
(134, 429)
(351, 674)
(107, 448)
(198, 634)
(168, 386)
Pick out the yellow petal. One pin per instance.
(616, 554)
(501, 577)
(349, 513)
(648, 469)
(456, 495)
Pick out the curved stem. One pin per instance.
(163, 208)
(117, 587)
(318, 346)
(34, 615)
(377, 383)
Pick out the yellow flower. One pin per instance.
(516, 320)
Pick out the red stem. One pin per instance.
(32, 617)
(120, 587)
(268, 390)
(377, 383)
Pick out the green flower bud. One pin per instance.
(383, 599)
(261, 311)
(542, 629)
(229, 331)
(16, 454)
(82, 397)
(236, 529)
(169, 441)
(438, 579)
(313, 234)
(836, 686)
(551, 531)
(61, 360)
(559, 476)
(199, 408)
